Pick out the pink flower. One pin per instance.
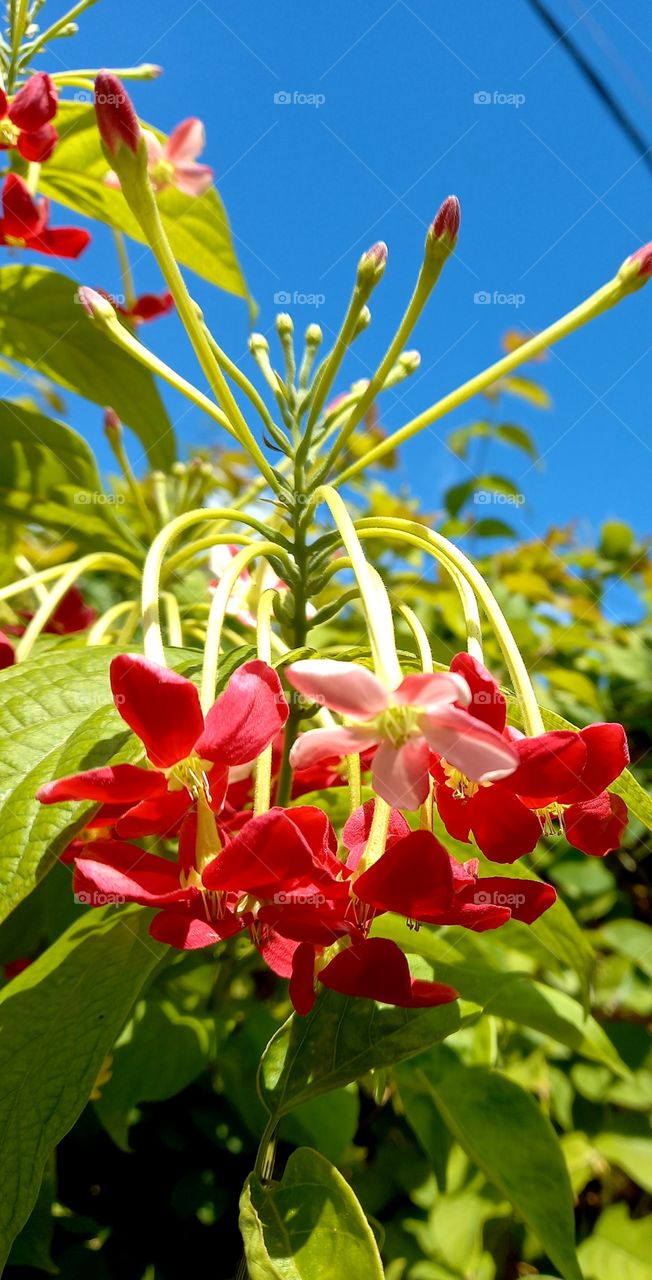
(174, 163)
(426, 713)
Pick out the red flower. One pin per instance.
(25, 123)
(190, 755)
(149, 306)
(116, 119)
(7, 654)
(374, 969)
(560, 775)
(24, 224)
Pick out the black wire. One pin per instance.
(604, 93)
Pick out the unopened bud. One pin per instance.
(95, 304)
(116, 119)
(179, 469)
(442, 235)
(407, 364)
(637, 269)
(258, 343)
(284, 324)
(314, 335)
(372, 265)
(112, 424)
(70, 29)
(363, 322)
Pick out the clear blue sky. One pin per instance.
(553, 198)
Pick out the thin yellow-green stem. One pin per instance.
(263, 768)
(101, 560)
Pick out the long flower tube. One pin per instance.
(152, 640)
(97, 560)
(218, 610)
(441, 548)
(263, 767)
(627, 280)
(106, 620)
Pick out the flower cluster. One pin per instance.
(26, 121)
(308, 906)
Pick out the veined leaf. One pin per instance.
(197, 227)
(58, 1019)
(43, 326)
(309, 1226)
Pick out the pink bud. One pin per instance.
(643, 257)
(448, 219)
(112, 424)
(372, 264)
(116, 119)
(95, 304)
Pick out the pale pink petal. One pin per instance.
(193, 179)
(112, 180)
(400, 774)
(470, 745)
(186, 142)
(342, 686)
(155, 151)
(434, 689)
(326, 744)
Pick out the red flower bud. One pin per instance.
(116, 119)
(643, 257)
(372, 265)
(35, 104)
(447, 221)
(112, 424)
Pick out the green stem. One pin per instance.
(99, 560)
(263, 769)
(599, 302)
(126, 273)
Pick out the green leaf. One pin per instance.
(631, 938)
(504, 1132)
(160, 1052)
(49, 476)
(31, 1248)
(197, 228)
(342, 1039)
(328, 1122)
(514, 996)
(620, 1246)
(55, 718)
(58, 1019)
(43, 326)
(309, 1226)
(626, 1141)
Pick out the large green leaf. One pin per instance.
(48, 476)
(58, 1020)
(55, 718)
(620, 1246)
(504, 1132)
(510, 995)
(43, 326)
(197, 228)
(342, 1039)
(309, 1226)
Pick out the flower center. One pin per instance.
(399, 724)
(192, 774)
(8, 133)
(461, 786)
(161, 173)
(14, 242)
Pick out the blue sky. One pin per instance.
(554, 197)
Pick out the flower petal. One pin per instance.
(302, 981)
(525, 900)
(160, 706)
(432, 690)
(111, 784)
(121, 872)
(245, 718)
(188, 931)
(504, 828)
(193, 179)
(487, 702)
(22, 216)
(596, 826)
(35, 104)
(377, 970)
(343, 686)
(413, 879)
(186, 142)
(357, 830)
(548, 763)
(268, 856)
(607, 754)
(37, 146)
(400, 775)
(160, 815)
(329, 744)
(470, 745)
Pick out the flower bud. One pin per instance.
(363, 322)
(408, 362)
(637, 269)
(116, 119)
(372, 266)
(112, 425)
(95, 304)
(284, 324)
(314, 335)
(258, 344)
(442, 234)
(179, 469)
